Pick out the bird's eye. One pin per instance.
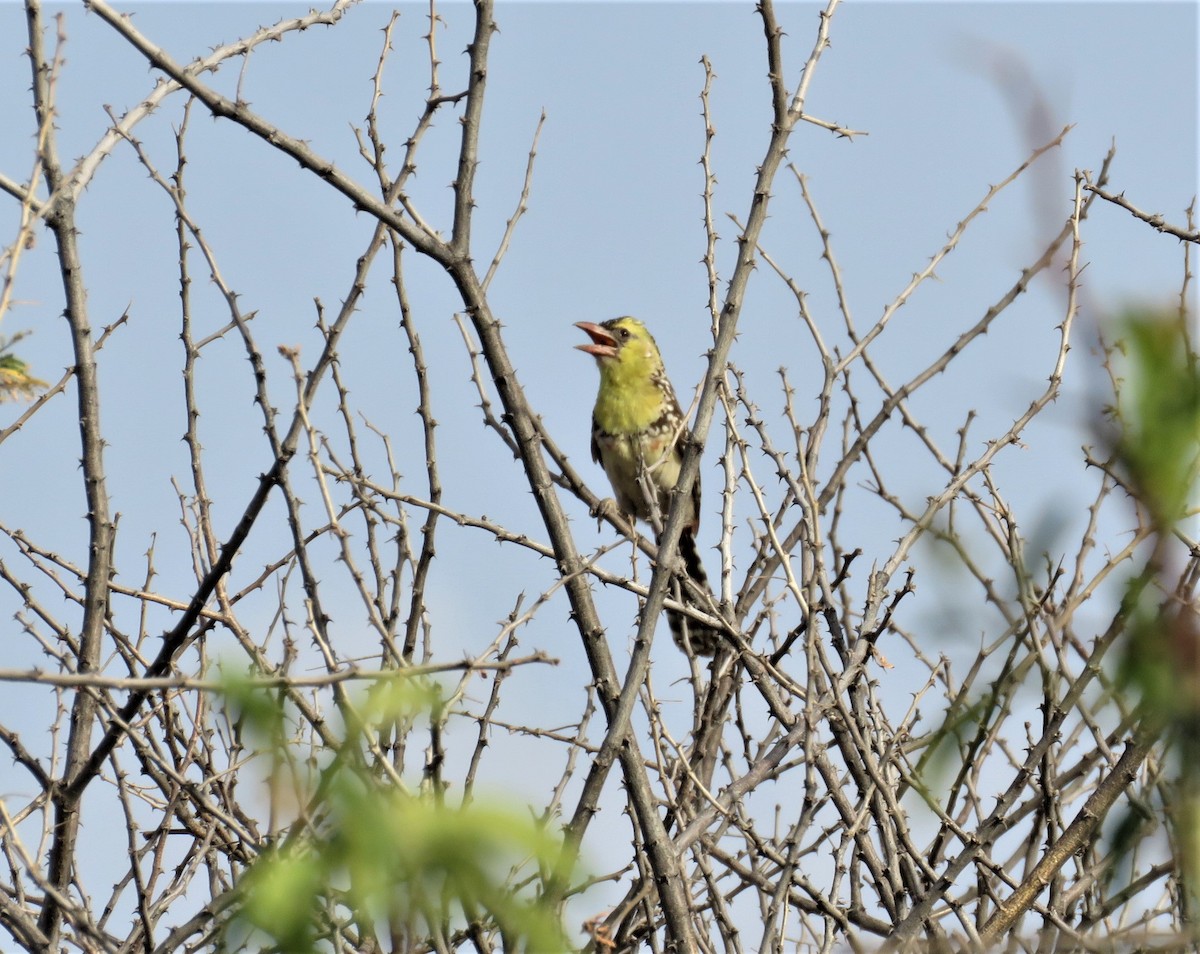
(624, 332)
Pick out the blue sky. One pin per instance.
(614, 226)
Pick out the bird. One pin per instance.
(638, 436)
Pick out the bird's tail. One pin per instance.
(691, 635)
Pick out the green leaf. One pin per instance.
(376, 855)
(1158, 412)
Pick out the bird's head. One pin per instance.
(623, 349)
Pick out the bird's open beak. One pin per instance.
(603, 344)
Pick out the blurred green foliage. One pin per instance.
(1156, 450)
(374, 858)
(16, 383)
(1156, 447)
(1157, 412)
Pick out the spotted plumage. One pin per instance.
(638, 436)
